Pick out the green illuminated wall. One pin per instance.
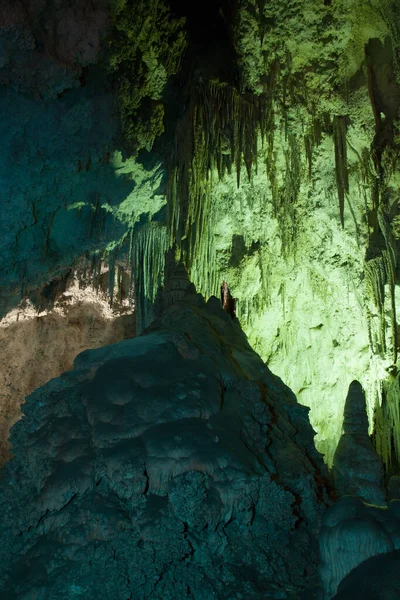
(308, 240)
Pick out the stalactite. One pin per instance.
(308, 143)
(391, 262)
(95, 270)
(366, 167)
(285, 199)
(272, 177)
(379, 271)
(317, 131)
(386, 435)
(111, 275)
(375, 280)
(220, 131)
(120, 284)
(150, 243)
(342, 176)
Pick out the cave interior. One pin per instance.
(199, 291)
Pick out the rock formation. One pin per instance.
(353, 532)
(357, 468)
(394, 488)
(171, 465)
(260, 137)
(258, 141)
(38, 344)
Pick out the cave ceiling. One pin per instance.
(259, 140)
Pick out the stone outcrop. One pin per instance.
(394, 488)
(172, 465)
(46, 45)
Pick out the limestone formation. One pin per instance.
(357, 468)
(394, 488)
(37, 343)
(260, 138)
(258, 142)
(171, 465)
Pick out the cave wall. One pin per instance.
(307, 240)
(261, 143)
(68, 187)
(39, 345)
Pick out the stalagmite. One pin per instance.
(377, 577)
(170, 462)
(357, 468)
(250, 147)
(387, 423)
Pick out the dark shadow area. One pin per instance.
(210, 55)
(64, 158)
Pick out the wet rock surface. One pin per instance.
(376, 578)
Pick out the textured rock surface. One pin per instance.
(46, 44)
(307, 243)
(351, 533)
(377, 578)
(65, 186)
(394, 488)
(172, 465)
(387, 424)
(38, 346)
(357, 468)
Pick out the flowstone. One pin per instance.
(172, 465)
